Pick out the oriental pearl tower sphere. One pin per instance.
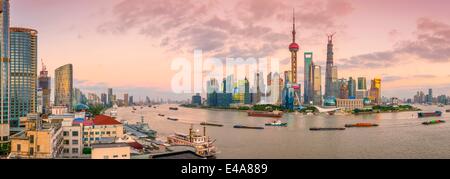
(293, 48)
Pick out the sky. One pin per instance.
(130, 45)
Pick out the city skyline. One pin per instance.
(96, 41)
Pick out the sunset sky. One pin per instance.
(129, 44)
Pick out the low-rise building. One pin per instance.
(73, 141)
(111, 151)
(38, 140)
(350, 104)
(101, 128)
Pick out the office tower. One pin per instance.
(45, 85)
(125, 99)
(110, 96)
(293, 48)
(343, 89)
(212, 86)
(4, 72)
(64, 86)
(317, 85)
(307, 96)
(330, 71)
(196, 100)
(375, 91)
(430, 96)
(351, 88)
(104, 98)
(39, 101)
(131, 101)
(23, 85)
(362, 83)
(275, 88)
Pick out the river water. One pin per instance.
(400, 135)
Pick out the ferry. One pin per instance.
(448, 110)
(247, 127)
(173, 108)
(203, 144)
(361, 125)
(433, 122)
(172, 119)
(274, 114)
(211, 124)
(277, 124)
(430, 114)
(162, 115)
(326, 129)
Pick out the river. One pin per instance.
(400, 135)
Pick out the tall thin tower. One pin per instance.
(329, 89)
(294, 47)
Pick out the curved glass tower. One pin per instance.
(4, 71)
(64, 86)
(23, 54)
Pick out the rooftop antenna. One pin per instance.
(330, 36)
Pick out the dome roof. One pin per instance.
(81, 107)
(294, 46)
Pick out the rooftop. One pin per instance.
(105, 120)
(110, 145)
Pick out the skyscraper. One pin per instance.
(317, 85)
(110, 96)
(308, 78)
(293, 48)
(44, 84)
(104, 98)
(64, 86)
(4, 72)
(23, 85)
(330, 71)
(375, 91)
(351, 88)
(430, 96)
(125, 99)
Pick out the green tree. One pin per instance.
(96, 109)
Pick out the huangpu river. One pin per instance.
(400, 135)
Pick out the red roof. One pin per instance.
(294, 46)
(136, 145)
(105, 120)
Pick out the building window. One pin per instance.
(65, 133)
(85, 133)
(115, 156)
(75, 133)
(74, 142)
(75, 150)
(66, 151)
(38, 148)
(124, 156)
(32, 139)
(66, 142)
(18, 148)
(31, 151)
(108, 133)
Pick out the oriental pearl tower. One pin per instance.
(294, 47)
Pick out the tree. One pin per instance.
(96, 110)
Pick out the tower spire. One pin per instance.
(293, 26)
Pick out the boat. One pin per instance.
(173, 108)
(247, 127)
(203, 144)
(326, 129)
(277, 124)
(211, 124)
(140, 129)
(362, 125)
(448, 110)
(274, 114)
(430, 114)
(433, 122)
(172, 119)
(162, 115)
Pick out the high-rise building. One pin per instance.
(293, 48)
(104, 98)
(375, 91)
(330, 71)
(45, 84)
(64, 86)
(39, 101)
(317, 85)
(4, 72)
(131, 101)
(430, 96)
(307, 96)
(110, 96)
(23, 85)
(351, 88)
(343, 89)
(125, 99)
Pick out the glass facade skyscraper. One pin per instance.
(23, 52)
(4, 71)
(307, 96)
(64, 86)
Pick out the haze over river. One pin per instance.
(400, 135)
